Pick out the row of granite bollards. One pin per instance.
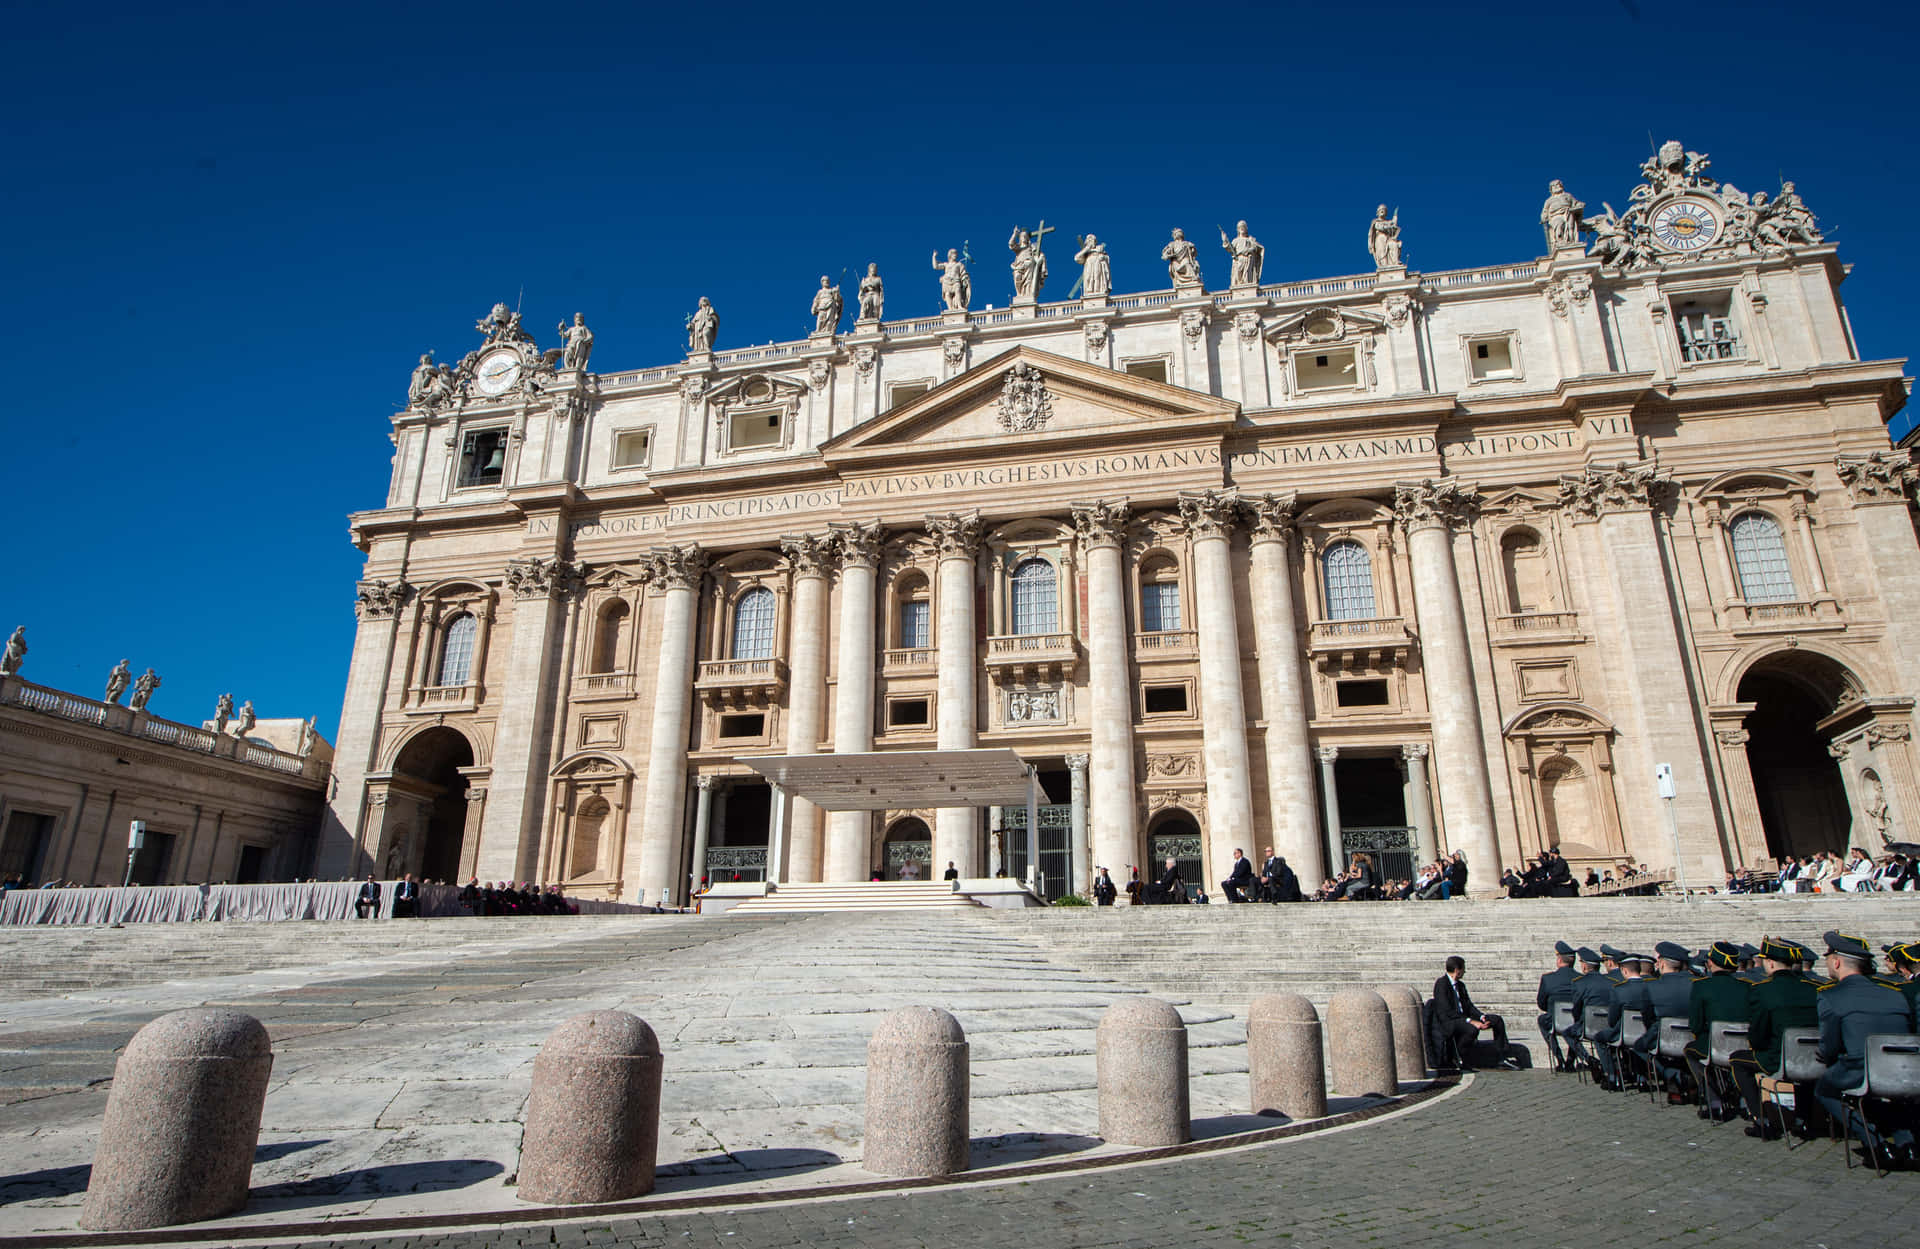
(183, 1118)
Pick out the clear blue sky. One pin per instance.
(230, 229)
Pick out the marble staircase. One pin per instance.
(864, 895)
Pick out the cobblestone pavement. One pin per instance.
(1513, 1160)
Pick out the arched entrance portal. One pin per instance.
(909, 841)
(1796, 781)
(429, 766)
(1174, 835)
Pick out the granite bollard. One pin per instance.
(1284, 1059)
(182, 1122)
(917, 1095)
(1140, 1064)
(593, 1120)
(1360, 1044)
(1409, 1032)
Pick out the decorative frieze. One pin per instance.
(1209, 513)
(1102, 522)
(1620, 488)
(1445, 502)
(1878, 478)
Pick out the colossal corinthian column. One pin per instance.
(1102, 527)
(1209, 517)
(847, 831)
(675, 571)
(956, 538)
(810, 556)
(1428, 511)
(1283, 690)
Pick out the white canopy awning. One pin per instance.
(890, 780)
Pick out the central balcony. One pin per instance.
(596, 685)
(1032, 656)
(904, 661)
(437, 699)
(734, 683)
(1374, 642)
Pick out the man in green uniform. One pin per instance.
(1905, 962)
(1716, 997)
(1784, 999)
(1854, 1007)
(1555, 986)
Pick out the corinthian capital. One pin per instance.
(957, 534)
(810, 554)
(540, 578)
(1445, 502)
(1620, 488)
(1270, 516)
(377, 600)
(1882, 477)
(676, 567)
(1209, 513)
(1102, 522)
(859, 542)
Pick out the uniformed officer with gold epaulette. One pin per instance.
(1610, 959)
(1854, 1007)
(1783, 1000)
(1716, 997)
(1750, 969)
(1904, 961)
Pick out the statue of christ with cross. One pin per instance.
(1029, 262)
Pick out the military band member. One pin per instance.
(1783, 999)
(1854, 1007)
(1716, 997)
(1555, 986)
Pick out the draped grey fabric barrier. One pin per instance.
(159, 904)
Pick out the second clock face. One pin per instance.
(497, 372)
(1685, 225)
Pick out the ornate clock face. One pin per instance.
(497, 372)
(1685, 225)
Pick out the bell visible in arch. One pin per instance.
(497, 460)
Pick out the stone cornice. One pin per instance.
(1102, 522)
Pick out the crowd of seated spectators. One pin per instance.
(504, 897)
(1826, 872)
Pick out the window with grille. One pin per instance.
(456, 653)
(753, 625)
(1159, 606)
(1760, 558)
(1349, 575)
(916, 624)
(1036, 598)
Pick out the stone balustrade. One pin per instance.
(114, 718)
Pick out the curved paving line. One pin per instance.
(340, 1229)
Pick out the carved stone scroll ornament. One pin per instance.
(1096, 338)
(541, 578)
(809, 555)
(1193, 323)
(1881, 734)
(1102, 522)
(863, 360)
(1399, 308)
(858, 543)
(1878, 478)
(1247, 326)
(819, 373)
(954, 535)
(1209, 513)
(1025, 404)
(676, 567)
(378, 600)
(954, 352)
(1447, 502)
(1269, 517)
(1620, 488)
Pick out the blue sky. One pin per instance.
(230, 229)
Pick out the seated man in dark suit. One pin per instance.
(406, 898)
(1277, 881)
(368, 899)
(1239, 878)
(1456, 1018)
(1169, 888)
(470, 895)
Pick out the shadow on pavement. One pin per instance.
(741, 1164)
(399, 1177)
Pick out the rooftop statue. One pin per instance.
(1248, 255)
(826, 307)
(244, 725)
(422, 383)
(143, 687)
(1183, 262)
(1673, 166)
(1383, 238)
(956, 288)
(1561, 216)
(502, 326)
(1029, 262)
(15, 653)
(222, 712)
(872, 294)
(1096, 269)
(117, 681)
(702, 327)
(579, 343)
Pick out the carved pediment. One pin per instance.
(1033, 397)
(1324, 325)
(757, 390)
(1518, 501)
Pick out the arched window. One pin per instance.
(1760, 558)
(610, 646)
(456, 652)
(753, 624)
(1160, 597)
(589, 825)
(916, 616)
(1348, 569)
(1525, 569)
(1036, 598)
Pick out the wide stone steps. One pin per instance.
(866, 895)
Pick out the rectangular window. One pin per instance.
(743, 726)
(1360, 693)
(1491, 359)
(1152, 370)
(906, 392)
(1164, 700)
(483, 458)
(632, 448)
(908, 712)
(1705, 325)
(1159, 607)
(755, 429)
(916, 624)
(1326, 370)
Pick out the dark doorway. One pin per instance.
(738, 849)
(1373, 814)
(1056, 834)
(433, 760)
(24, 845)
(1175, 836)
(1803, 801)
(253, 862)
(909, 841)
